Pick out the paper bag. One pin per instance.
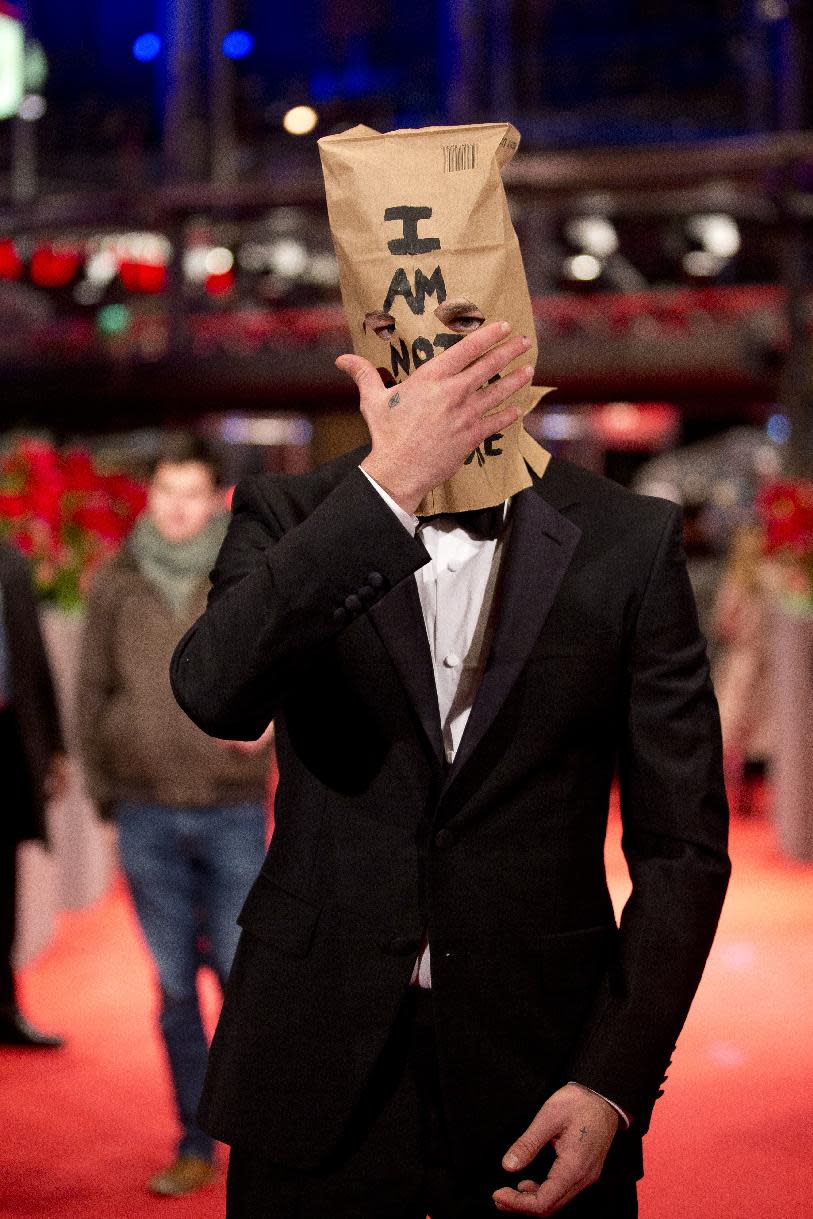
(427, 253)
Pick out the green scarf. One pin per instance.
(176, 569)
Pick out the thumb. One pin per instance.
(362, 371)
(545, 1126)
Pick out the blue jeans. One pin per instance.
(189, 870)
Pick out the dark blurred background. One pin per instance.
(165, 255)
(165, 259)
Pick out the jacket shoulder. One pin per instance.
(289, 498)
(602, 498)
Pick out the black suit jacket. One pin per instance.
(36, 718)
(597, 663)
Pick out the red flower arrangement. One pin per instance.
(65, 514)
(785, 510)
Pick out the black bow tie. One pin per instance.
(479, 522)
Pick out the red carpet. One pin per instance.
(731, 1138)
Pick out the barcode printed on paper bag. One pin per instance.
(457, 157)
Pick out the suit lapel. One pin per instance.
(398, 619)
(540, 548)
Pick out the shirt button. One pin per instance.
(453, 565)
(452, 661)
(444, 839)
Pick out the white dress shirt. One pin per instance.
(456, 591)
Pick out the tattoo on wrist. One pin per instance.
(394, 400)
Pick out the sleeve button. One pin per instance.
(366, 592)
(340, 615)
(352, 604)
(444, 839)
(376, 579)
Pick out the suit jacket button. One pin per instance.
(340, 615)
(402, 946)
(444, 839)
(376, 579)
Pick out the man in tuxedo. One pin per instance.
(32, 754)
(431, 1007)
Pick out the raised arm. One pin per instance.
(284, 586)
(280, 595)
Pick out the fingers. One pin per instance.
(469, 349)
(562, 1183)
(362, 371)
(486, 399)
(540, 1200)
(545, 1126)
(494, 361)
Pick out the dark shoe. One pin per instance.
(15, 1030)
(187, 1174)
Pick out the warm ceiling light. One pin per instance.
(299, 120)
(584, 267)
(219, 261)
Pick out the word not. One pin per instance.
(421, 351)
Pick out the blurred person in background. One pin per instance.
(189, 810)
(742, 673)
(32, 758)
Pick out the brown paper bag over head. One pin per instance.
(427, 253)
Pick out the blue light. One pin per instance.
(778, 429)
(237, 44)
(147, 47)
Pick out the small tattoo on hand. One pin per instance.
(394, 400)
(582, 1134)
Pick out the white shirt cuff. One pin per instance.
(625, 1121)
(407, 519)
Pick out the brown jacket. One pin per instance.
(136, 742)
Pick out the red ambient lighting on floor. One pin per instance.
(730, 1139)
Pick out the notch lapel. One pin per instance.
(398, 619)
(540, 548)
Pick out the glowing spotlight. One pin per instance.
(147, 47)
(238, 44)
(718, 233)
(299, 120)
(594, 234)
(702, 264)
(288, 258)
(583, 267)
(219, 261)
(32, 107)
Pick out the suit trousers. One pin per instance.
(15, 820)
(395, 1160)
